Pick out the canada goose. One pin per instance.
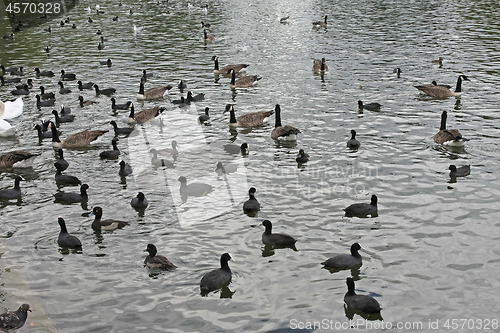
(440, 91)
(242, 82)
(247, 120)
(397, 71)
(44, 73)
(353, 143)
(145, 75)
(207, 37)
(225, 70)
(67, 76)
(446, 136)
(63, 90)
(107, 91)
(108, 224)
(17, 158)
(287, 133)
(369, 106)
(320, 24)
(106, 62)
(152, 93)
(363, 303)
(24, 91)
(10, 110)
(111, 154)
(461, 171)
(40, 103)
(434, 83)
(123, 106)
(154, 260)
(77, 140)
(147, 114)
(63, 119)
(251, 206)
(363, 209)
(13, 80)
(48, 95)
(88, 85)
(204, 117)
(320, 65)
(85, 103)
(438, 61)
(121, 130)
(302, 157)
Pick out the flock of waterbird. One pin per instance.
(221, 277)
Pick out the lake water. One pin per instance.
(431, 255)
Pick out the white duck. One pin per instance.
(9, 110)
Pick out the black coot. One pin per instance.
(217, 278)
(361, 303)
(345, 261)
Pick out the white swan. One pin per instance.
(6, 129)
(9, 110)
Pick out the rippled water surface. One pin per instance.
(431, 254)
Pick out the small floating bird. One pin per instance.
(111, 154)
(107, 91)
(125, 169)
(461, 171)
(159, 162)
(353, 143)
(369, 106)
(441, 90)
(6, 81)
(182, 85)
(438, 61)
(204, 117)
(153, 93)
(448, 137)
(362, 209)
(65, 179)
(18, 72)
(363, 303)
(287, 133)
(217, 278)
(14, 319)
(73, 197)
(225, 70)
(242, 82)
(44, 73)
(77, 140)
(23, 91)
(251, 206)
(284, 19)
(28, 83)
(194, 189)
(63, 90)
(85, 103)
(154, 260)
(123, 106)
(46, 95)
(121, 130)
(63, 119)
(190, 98)
(320, 65)
(65, 240)
(12, 193)
(275, 239)
(224, 169)
(247, 120)
(106, 225)
(100, 46)
(17, 159)
(61, 163)
(82, 86)
(236, 149)
(106, 62)
(139, 201)
(302, 157)
(320, 24)
(170, 151)
(345, 261)
(398, 72)
(67, 76)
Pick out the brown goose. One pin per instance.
(287, 133)
(448, 137)
(242, 82)
(147, 114)
(320, 65)
(441, 91)
(77, 140)
(153, 93)
(320, 24)
(17, 158)
(225, 70)
(247, 120)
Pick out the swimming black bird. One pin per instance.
(67, 76)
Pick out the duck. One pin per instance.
(363, 303)
(152, 93)
(369, 106)
(225, 70)
(78, 140)
(287, 133)
(106, 225)
(69, 118)
(194, 189)
(217, 278)
(65, 110)
(82, 86)
(28, 83)
(124, 106)
(46, 95)
(205, 25)
(345, 261)
(441, 91)
(398, 72)
(85, 103)
(100, 46)
(148, 114)
(236, 149)
(242, 82)
(448, 137)
(155, 260)
(251, 206)
(107, 91)
(321, 24)
(90, 20)
(320, 65)
(438, 61)
(8, 36)
(182, 102)
(40, 103)
(125, 169)
(43, 73)
(284, 19)
(224, 169)
(302, 157)
(461, 171)
(63, 90)
(207, 37)
(61, 162)
(182, 85)
(363, 209)
(67, 76)
(18, 72)
(108, 62)
(159, 162)
(12, 193)
(204, 117)
(111, 154)
(190, 98)
(17, 159)
(73, 197)
(23, 91)
(65, 179)
(7, 129)
(139, 201)
(14, 319)
(10, 110)
(353, 143)
(121, 130)
(275, 239)
(9, 70)
(6, 81)
(247, 120)
(65, 240)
